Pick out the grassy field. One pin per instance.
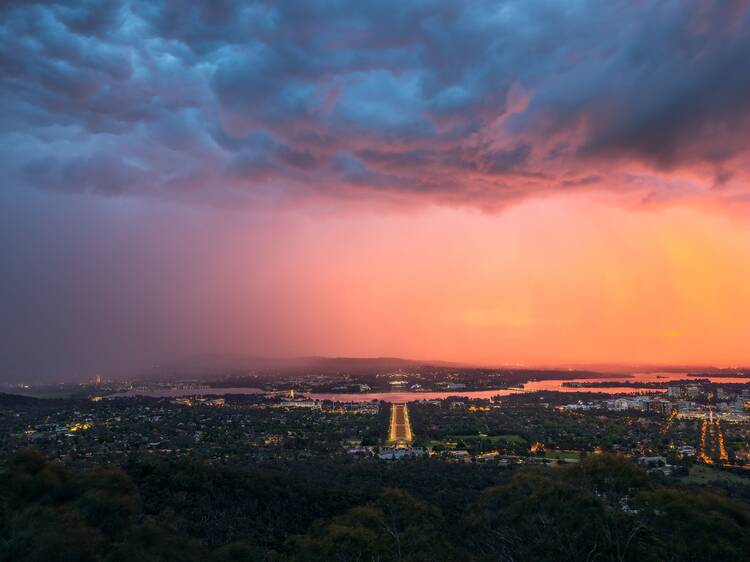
(564, 455)
(511, 438)
(702, 474)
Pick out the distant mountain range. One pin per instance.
(212, 364)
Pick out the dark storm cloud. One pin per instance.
(450, 101)
(102, 173)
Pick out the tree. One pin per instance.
(696, 524)
(394, 527)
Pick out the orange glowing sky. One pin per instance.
(554, 280)
(560, 279)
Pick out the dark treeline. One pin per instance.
(605, 508)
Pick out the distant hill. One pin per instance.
(651, 368)
(6, 398)
(208, 365)
(17, 400)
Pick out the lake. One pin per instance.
(407, 396)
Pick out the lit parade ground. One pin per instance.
(400, 429)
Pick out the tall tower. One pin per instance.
(98, 379)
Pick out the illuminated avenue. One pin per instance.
(712, 440)
(400, 431)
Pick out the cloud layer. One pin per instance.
(474, 103)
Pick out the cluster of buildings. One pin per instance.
(397, 453)
(199, 401)
(57, 429)
(723, 398)
(217, 429)
(686, 401)
(358, 387)
(621, 404)
(659, 463)
(640, 403)
(367, 408)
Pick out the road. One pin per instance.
(712, 446)
(400, 431)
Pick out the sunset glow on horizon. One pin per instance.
(518, 183)
(561, 280)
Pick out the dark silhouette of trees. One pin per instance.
(395, 527)
(605, 508)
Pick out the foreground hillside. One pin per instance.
(603, 509)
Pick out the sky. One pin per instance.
(519, 182)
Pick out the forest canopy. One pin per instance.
(605, 508)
